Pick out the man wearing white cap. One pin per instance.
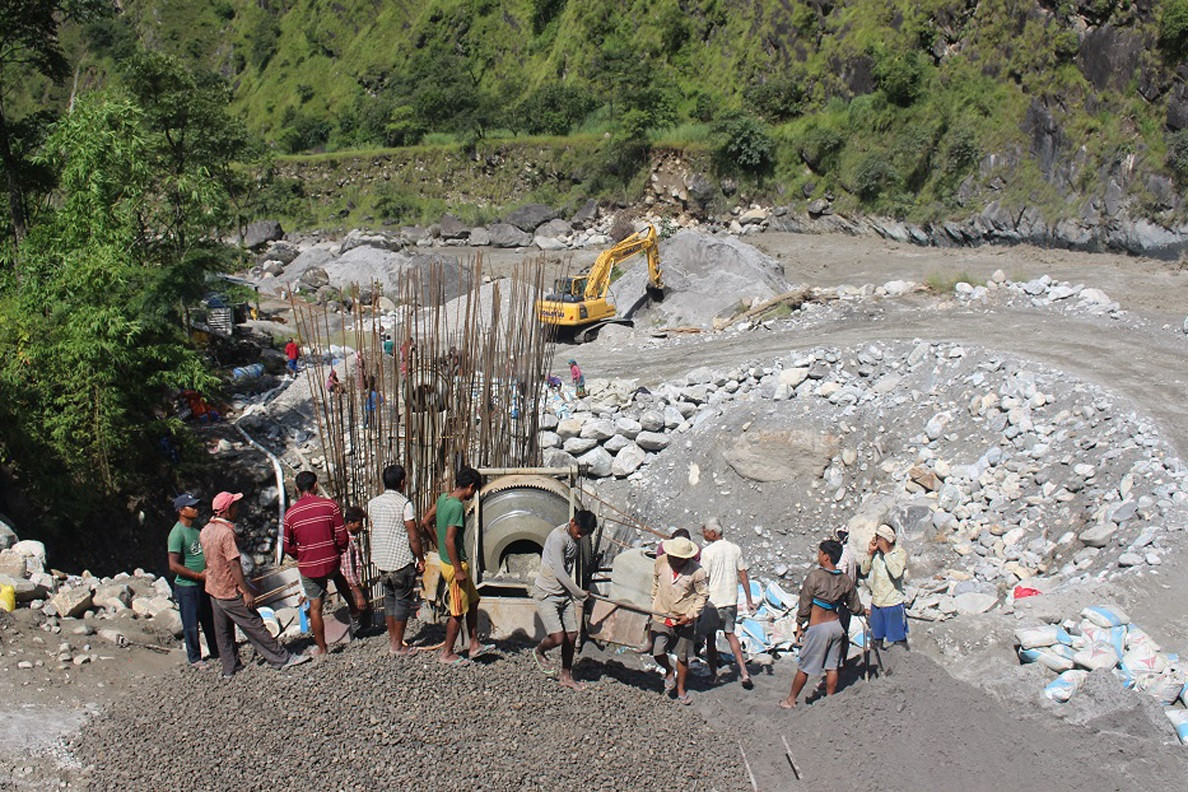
(883, 569)
(232, 598)
(724, 564)
(680, 590)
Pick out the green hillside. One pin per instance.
(923, 109)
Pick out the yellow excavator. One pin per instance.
(579, 305)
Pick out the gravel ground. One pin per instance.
(362, 719)
(918, 728)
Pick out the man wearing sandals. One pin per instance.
(461, 595)
(825, 592)
(725, 567)
(557, 594)
(680, 590)
(396, 551)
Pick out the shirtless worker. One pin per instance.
(557, 595)
(825, 592)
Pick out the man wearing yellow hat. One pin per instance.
(680, 589)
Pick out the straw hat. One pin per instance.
(680, 547)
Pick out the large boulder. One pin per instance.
(113, 597)
(8, 534)
(451, 227)
(73, 602)
(597, 462)
(13, 564)
(652, 441)
(585, 215)
(479, 237)
(530, 216)
(628, 460)
(282, 251)
(262, 232)
(554, 228)
(34, 553)
(26, 590)
(503, 235)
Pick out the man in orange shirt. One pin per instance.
(232, 598)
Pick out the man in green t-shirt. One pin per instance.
(188, 565)
(462, 597)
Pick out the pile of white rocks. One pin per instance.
(58, 596)
(995, 473)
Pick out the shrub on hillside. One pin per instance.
(1177, 157)
(1173, 27)
(776, 99)
(744, 144)
(819, 148)
(552, 110)
(901, 76)
(872, 176)
(302, 132)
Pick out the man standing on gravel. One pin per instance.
(397, 553)
(315, 534)
(461, 595)
(883, 568)
(679, 592)
(557, 594)
(232, 598)
(188, 564)
(724, 566)
(825, 592)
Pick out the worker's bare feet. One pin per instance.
(746, 682)
(788, 703)
(402, 651)
(566, 679)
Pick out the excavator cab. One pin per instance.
(568, 290)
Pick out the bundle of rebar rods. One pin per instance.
(453, 377)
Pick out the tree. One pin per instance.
(194, 146)
(29, 44)
(90, 328)
(552, 110)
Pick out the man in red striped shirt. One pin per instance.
(316, 536)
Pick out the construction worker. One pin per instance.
(233, 599)
(397, 552)
(883, 568)
(579, 379)
(449, 514)
(825, 592)
(725, 567)
(557, 594)
(680, 590)
(188, 565)
(292, 352)
(315, 534)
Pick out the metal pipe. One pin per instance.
(280, 488)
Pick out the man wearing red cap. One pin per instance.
(232, 598)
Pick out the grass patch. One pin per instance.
(945, 283)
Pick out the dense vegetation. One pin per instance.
(889, 104)
(114, 210)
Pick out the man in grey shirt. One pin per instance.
(557, 594)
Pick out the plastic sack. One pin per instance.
(1137, 637)
(7, 598)
(1063, 687)
(1114, 636)
(1179, 719)
(1143, 660)
(1048, 657)
(1035, 637)
(1096, 655)
(1164, 688)
(1105, 617)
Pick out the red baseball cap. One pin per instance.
(223, 501)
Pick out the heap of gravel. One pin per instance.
(363, 719)
(919, 728)
(704, 277)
